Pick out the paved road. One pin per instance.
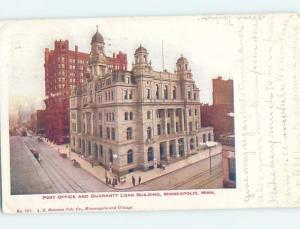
(194, 176)
(58, 174)
(55, 174)
(27, 177)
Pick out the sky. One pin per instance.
(209, 45)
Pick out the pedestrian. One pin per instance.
(133, 181)
(106, 180)
(140, 179)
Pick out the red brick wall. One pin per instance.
(222, 91)
(218, 117)
(64, 69)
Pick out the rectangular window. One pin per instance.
(100, 132)
(148, 114)
(113, 134)
(107, 133)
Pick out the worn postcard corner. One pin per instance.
(156, 113)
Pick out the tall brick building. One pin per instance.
(219, 115)
(222, 91)
(64, 69)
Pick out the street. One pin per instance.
(55, 174)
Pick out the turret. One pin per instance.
(182, 66)
(97, 61)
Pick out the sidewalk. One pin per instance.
(100, 173)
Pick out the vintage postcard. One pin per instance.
(150, 113)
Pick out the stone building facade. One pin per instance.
(138, 119)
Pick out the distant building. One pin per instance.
(138, 119)
(40, 122)
(220, 113)
(222, 92)
(32, 123)
(64, 69)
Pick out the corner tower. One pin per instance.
(182, 66)
(97, 60)
(141, 64)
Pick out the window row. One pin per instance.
(128, 116)
(128, 94)
(110, 116)
(166, 93)
(110, 133)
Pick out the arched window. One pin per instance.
(111, 156)
(148, 93)
(148, 114)
(149, 132)
(113, 134)
(96, 150)
(204, 138)
(129, 156)
(83, 146)
(79, 143)
(158, 129)
(100, 131)
(157, 91)
(126, 116)
(125, 94)
(131, 116)
(107, 133)
(100, 151)
(174, 92)
(130, 94)
(166, 92)
(129, 133)
(192, 144)
(150, 154)
(89, 148)
(168, 128)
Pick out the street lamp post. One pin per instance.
(210, 170)
(105, 165)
